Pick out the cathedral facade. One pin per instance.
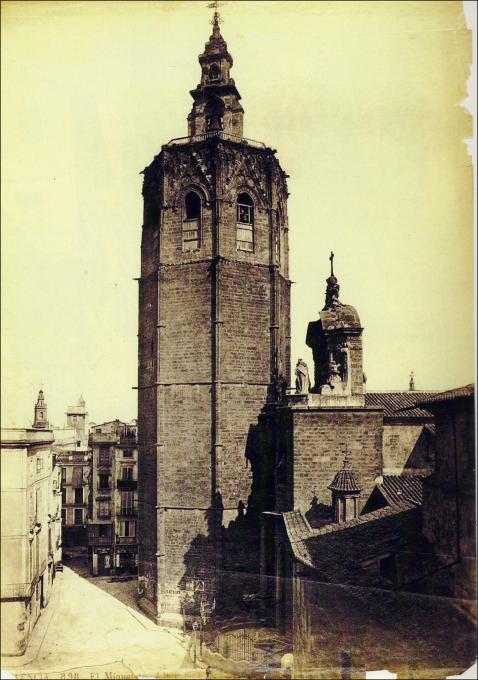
(214, 343)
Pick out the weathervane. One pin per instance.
(331, 258)
(217, 17)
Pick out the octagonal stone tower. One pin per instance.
(214, 337)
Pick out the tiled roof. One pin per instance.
(458, 393)
(395, 403)
(345, 480)
(398, 488)
(297, 529)
(301, 535)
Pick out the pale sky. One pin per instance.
(361, 101)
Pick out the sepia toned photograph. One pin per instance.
(238, 332)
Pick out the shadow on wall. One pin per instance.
(423, 453)
(318, 513)
(225, 564)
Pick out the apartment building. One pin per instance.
(30, 528)
(112, 542)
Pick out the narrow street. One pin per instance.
(86, 632)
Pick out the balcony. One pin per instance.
(126, 540)
(127, 484)
(216, 133)
(127, 512)
(100, 540)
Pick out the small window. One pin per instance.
(127, 453)
(103, 482)
(63, 515)
(104, 459)
(78, 496)
(63, 496)
(104, 530)
(245, 223)
(39, 464)
(63, 475)
(127, 528)
(214, 72)
(127, 473)
(192, 221)
(104, 509)
(78, 516)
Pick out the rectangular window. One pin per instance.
(63, 496)
(245, 223)
(63, 475)
(127, 473)
(104, 457)
(191, 234)
(104, 530)
(39, 464)
(78, 516)
(127, 528)
(127, 453)
(103, 482)
(104, 509)
(127, 506)
(77, 476)
(63, 515)
(78, 496)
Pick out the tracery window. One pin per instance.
(245, 223)
(192, 221)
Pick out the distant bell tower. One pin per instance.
(40, 421)
(214, 343)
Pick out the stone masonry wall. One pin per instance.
(319, 438)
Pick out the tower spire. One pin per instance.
(40, 421)
(216, 106)
(216, 19)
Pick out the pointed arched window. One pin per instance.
(192, 221)
(245, 223)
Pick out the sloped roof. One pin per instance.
(449, 395)
(345, 480)
(395, 403)
(398, 488)
(301, 535)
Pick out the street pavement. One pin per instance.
(87, 632)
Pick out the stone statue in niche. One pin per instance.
(302, 380)
(344, 353)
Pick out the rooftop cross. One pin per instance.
(331, 258)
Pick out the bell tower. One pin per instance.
(40, 421)
(213, 344)
(216, 99)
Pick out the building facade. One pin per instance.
(214, 344)
(31, 528)
(112, 522)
